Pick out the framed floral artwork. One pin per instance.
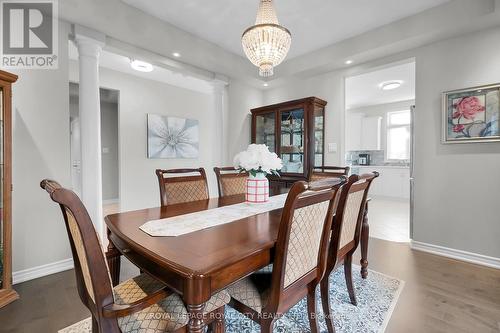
(172, 137)
(471, 115)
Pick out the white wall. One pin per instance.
(242, 98)
(138, 97)
(456, 186)
(40, 150)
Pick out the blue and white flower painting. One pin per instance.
(172, 137)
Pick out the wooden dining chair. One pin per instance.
(328, 172)
(183, 186)
(299, 259)
(140, 304)
(345, 237)
(230, 181)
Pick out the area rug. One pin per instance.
(377, 296)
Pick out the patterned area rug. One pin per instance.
(377, 296)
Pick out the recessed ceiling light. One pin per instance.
(141, 66)
(176, 54)
(391, 85)
(348, 62)
(266, 84)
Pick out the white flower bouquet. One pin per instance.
(257, 159)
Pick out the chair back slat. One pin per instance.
(305, 240)
(230, 181)
(180, 189)
(323, 172)
(304, 233)
(349, 216)
(92, 273)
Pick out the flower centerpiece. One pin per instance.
(258, 161)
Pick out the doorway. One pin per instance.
(378, 137)
(109, 144)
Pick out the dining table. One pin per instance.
(198, 264)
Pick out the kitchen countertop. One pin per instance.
(380, 166)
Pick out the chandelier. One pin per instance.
(266, 44)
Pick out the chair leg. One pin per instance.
(218, 325)
(348, 278)
(266, 326)
(95, 325)
(325, 302)
(312, 311)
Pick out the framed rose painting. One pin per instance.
(471, 115)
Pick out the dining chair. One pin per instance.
(328, 172)
(183, 186)
(230, 181)
(299, 259)
(345, 237)
(140, 304)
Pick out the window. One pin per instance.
(398, 135)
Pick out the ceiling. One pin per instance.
(364, 90)
(313, 23)
(121, 63)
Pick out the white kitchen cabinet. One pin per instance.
(393, 182)
(370, 133)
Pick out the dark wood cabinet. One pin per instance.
(295, 131)
(7, 294)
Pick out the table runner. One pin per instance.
(184, 224)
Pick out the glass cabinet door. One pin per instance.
(1, 190)
(319, 136)
(292, 140)
(265, 130)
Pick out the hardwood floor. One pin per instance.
(440, 295)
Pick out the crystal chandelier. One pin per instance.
(266, 43)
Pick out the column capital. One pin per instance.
(89, 42)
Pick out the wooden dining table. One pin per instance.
(201, 263)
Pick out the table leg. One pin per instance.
(196, 324)
(113, 257)
(365, 234)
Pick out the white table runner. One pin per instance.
(184, 224)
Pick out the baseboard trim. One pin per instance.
(43, 270)
(469, 257)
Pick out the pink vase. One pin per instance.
(257, 189)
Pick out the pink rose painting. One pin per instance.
(472, 115)
(468, 107)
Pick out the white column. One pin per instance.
(220, 99)
(89, 46)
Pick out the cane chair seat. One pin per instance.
(252, 291)
(167, 315)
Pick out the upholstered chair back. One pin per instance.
(185, 188)
(230, 181)
(92, 274)
(304, 232)
(349, 217)
(319, 173)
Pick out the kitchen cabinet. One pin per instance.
(370, 133)
(393, 182)
(362, 132)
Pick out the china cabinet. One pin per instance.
(295, 131)
(7, 294)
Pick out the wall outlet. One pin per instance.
(332, 148)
